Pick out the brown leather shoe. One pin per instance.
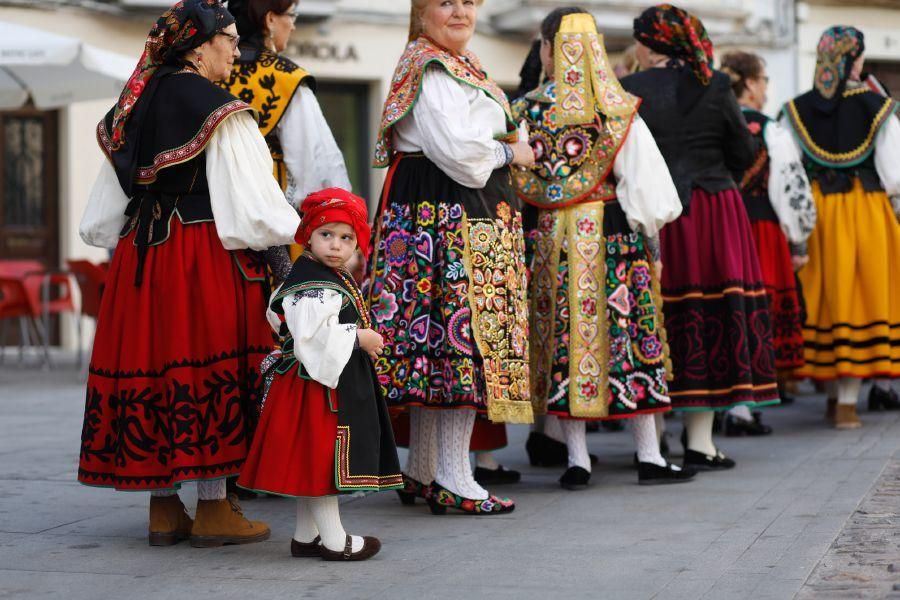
(846, 417)
(311, 549)
(830, 409)
(220, 522)
(370, 548)
(169, 521)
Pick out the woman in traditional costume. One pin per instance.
(779, 205)
(324, 428)
(185, 193)
(716, 311)
(304, 152)
(600, 191)
(448, 283)
(850, 140)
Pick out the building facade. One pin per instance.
(352, 46)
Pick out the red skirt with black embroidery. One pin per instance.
(294, 452)
(781, 288)
(172, 391)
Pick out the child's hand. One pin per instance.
(371, 341)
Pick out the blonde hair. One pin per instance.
(417, 14)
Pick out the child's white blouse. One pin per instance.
(322, 343)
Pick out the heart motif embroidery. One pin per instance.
(588, 331)
(419, 329)
(573, 51)
(587, 281)
(589, 366)
(619, 300)
(588, 250)
(573, 102)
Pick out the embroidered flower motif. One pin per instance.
(554, 192)
(424, 286)
(426, 214)
(384, 307)
(586, 226)
(480, 236)
(574, 76)
(651, 347)
(640, 276)
(589, 307)
(396, 248)
(589, 389)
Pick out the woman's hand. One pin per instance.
(523, 155)
(799, 262)
(370, 341)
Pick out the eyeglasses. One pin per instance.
(293, 15)
(235, 39)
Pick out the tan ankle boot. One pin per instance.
(846, 417)
(169, 521)
(830, 409)
(220, 522)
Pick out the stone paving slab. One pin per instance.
(756, 532)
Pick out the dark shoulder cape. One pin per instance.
(176, 123)
(843, 138)
(754, 182)
(267, 82)
(365, 453)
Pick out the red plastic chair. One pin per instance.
(14, 304)
(47, 293)
(91, 279)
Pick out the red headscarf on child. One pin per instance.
(334, 205)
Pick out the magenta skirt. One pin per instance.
(716, 310)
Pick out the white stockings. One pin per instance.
(646, 441)
(211, 490)
(848, 390)
(322, 517)
(422, 461)
(454, 471)
(699, 431)
(576, 442)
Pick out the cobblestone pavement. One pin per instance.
(864, 561)
(765, 530)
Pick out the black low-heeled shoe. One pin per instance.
(880, 399)
(498, 476)
(311, 549)
(412, 489)
(736, 427)
(440, 499)
(544, 451)
(653, 474)
(575, 478)
(706, 462)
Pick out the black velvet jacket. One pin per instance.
(703, 141)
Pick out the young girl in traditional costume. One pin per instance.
(324, 428)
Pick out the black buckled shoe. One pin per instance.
(575, 478)
(371, 546)
(498, 476)
(653, 474)
(706, 462)
(880, 399)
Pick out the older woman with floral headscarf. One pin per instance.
(851, 149)
(716, 310)
(448, 277)
(184, 196)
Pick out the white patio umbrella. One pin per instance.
(56, 70)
